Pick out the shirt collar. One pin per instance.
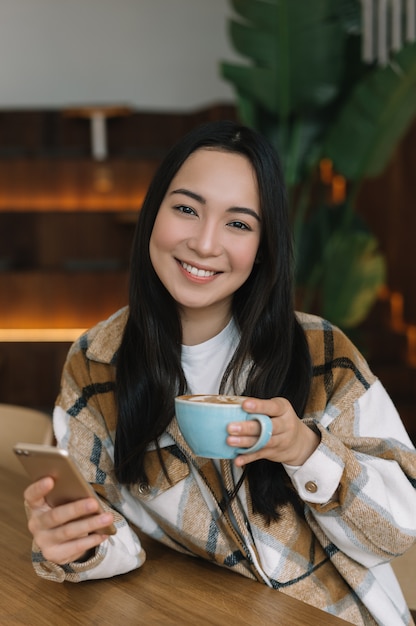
(105, 337)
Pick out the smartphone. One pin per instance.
(40, 460)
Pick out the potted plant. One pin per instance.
(332, 117)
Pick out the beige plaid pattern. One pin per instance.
(293, 555)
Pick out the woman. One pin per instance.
(322, 508)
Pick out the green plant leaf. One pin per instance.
(376, 115)
(354, 271)
(296, 49)
(261, 44)
(257, 83)
(261, 14)
(304, 85)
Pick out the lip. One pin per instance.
(198, 272)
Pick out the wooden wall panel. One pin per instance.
(66, 225)
(30, 373)
(388, 203)
(60, 299)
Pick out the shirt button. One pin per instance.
(143, 488)
(311, 486)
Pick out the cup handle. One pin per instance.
(265, 433)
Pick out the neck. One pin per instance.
(198, 327)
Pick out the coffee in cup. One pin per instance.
(203, 421)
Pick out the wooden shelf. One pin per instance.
(41, 314)
(76, 185)
(60, 299)
(40, 335)
(66, 227)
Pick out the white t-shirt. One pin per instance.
(204, 364)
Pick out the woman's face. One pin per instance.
(207, 231)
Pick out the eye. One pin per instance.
(183, 208)
(239, 225)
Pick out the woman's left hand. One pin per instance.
(292, 442)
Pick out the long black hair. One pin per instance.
(149, 372)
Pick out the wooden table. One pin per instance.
(169, 589)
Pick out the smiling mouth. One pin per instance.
(196, 271)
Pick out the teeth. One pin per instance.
(196, 272)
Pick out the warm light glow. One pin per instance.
(338, 189)
(79, 185)
(326, 171)
(398, 324)
(40, 334)
(396, 312)
(411, 345)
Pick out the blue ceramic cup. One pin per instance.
(203, 421)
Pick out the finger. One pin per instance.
(249, 428)
(34, 495)
(245, 459)
(81, 528)
(68, 542)
(61, 515)
(275, 407)
(241, 442)
(47, 518)
(72, 550)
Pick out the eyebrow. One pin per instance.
(190, 194)
(201, 200)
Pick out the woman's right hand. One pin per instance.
(65, 533)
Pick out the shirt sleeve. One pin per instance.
(359, 487)
(317, 480)
(81, 428)
(119, 554)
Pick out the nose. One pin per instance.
(206, 240)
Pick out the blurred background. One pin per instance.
(94, 92)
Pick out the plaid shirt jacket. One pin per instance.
(362, 514)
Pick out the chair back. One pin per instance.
(18, 423)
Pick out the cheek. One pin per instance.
(156, 247)
(160, 238)
(244, 257)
